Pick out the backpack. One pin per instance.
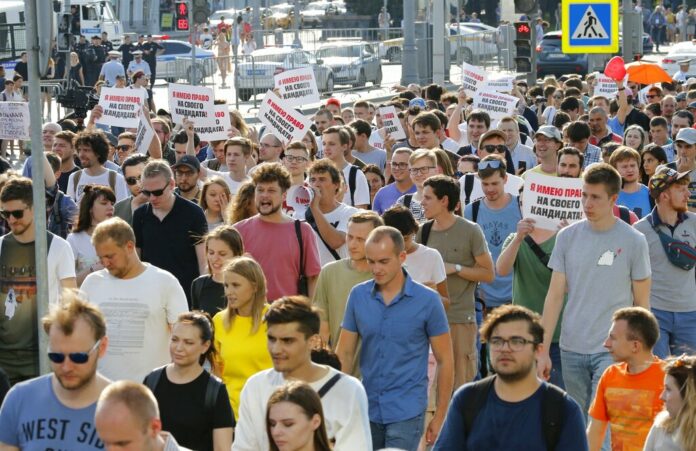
(112, 180)
(407, 200)
(625, 214)
(552, 406)
(351, 183)
(468, 188)
(212, 388)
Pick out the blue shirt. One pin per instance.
(593, 154)
(638, 202)
(616, 126)
(504, 426)
(110, 70)
(395, 337)
(32, 419)
(496, 226)
(387, 197)
(669, 151)
(134, 67)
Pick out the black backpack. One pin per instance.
(552, 406)
(212, 388)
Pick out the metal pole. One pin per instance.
(682, 25)
(627, 50)
(409, 70)
(438, 59)
(192, 37)
(386, 22)
(532, 76)
(256, 24)
(39, 194)
(296, 23)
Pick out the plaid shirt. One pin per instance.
(593, 154)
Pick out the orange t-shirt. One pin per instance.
(629, 402)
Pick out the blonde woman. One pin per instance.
(75, 69)
(223, 57)
(240, 333)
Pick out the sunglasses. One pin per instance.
(17, 214)
(132, 180)
(156, 192)
(76, 357)
(492, 164)
(651, 96)
(124, 147)
(495, 148)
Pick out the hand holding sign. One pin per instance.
(297, 87)
(392, 124)
(550, 200)
(120, 107)
(282, 120)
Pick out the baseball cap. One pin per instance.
(663, 178)
(417, 101)
(189, 161)
(688, 135)
(115, 53)
(691, 105)
(333, 101)
(681, 97)
(690, 81)
(550, 132)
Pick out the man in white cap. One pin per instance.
(138, 64)
(112, 68)
(685, 146)
(683, 72)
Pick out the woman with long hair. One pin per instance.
(651, 157)
(375, 179)
(75, 71)
(674, 429)
(96, 205)
(241, 332)
(310, 141)
(207, 291)
(295, 419)
(215, 196)
(635, 137)
(181, 387)
(242, 206)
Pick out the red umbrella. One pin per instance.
(646, 73)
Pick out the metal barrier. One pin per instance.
(200, 73)
(12, 41)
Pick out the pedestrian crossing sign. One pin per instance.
(590, 26)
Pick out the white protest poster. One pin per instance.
(14, 120)
(497, 105)
(194, 102)
(501, 83)
(282, 120)
(144, 135)
(606, 86)
(549, 200)
(473, 78)
(392, 124)
(298, 86)
(214, 129)
(121, 107)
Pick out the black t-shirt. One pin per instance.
(208, 295)
(63, 179)
(22, 69)
(171, 244)
(183, 414)
(635, 117)
(152, 48)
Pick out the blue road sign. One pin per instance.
(590, 26)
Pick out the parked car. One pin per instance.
(255, 74)
(168, 69)
(281, 16)
(552, 61)
(353, 63)
(230, 16)
(315, 12)
(680, 51)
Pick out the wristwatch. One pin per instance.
(458, 268)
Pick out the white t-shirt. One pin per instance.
(345, 411)
(338, 218)
(362, 189)
(450, 145)
(121, 190)
(138, 313)
(85, 254)
(232, 184)
(376, 139)
(58, 254)
(426, 265)
(512, 186)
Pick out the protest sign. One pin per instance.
(606, 87)
(473, 78)
(502, 83)
(121, 106)
(144, 135)
(549, 200)
(14, 120)
(497, 105)
(194, 102)
(282, 120)
(298, 198)
(392, 124)
(214, 129)
(297, 87)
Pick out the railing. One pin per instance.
(12, 41)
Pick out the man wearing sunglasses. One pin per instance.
(56, 410)
(125, 146)
(18, 337)
(132, 169)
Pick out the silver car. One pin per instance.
(353, 63)
(255, 73)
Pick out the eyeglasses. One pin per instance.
(423, 170)
(76, 357)
(515, 343)
(495, 148)
(493, 164)
(132, 180)
(651, 96)
(124, 147)
(156, 192)
(294, 159)
(399, 166)
(17, 214)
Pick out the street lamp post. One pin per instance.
(409, 71)
(297, 43)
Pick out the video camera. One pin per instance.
(78, 98)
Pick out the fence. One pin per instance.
(12, 41)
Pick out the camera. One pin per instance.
(78, 98)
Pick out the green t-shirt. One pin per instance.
(531, 278)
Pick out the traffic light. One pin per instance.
(526, 6)
(200, 11)
(182, 16)
(523, 47)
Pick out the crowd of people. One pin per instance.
(350, 291)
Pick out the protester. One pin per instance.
(215, 196)
(421, 165)
(335, 144)
(243, 205)
(132, 170)
(375, 178)
(651, 158)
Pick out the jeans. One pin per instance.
(677, 333)
(581, 373)
(403, 435)
(556, 377)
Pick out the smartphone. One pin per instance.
(522, 167)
